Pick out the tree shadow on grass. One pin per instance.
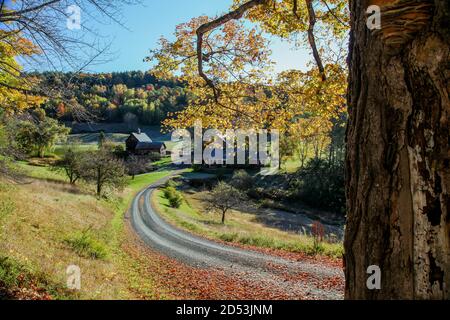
(61, 186)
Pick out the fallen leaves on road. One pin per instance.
(174, 280)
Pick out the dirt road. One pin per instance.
(297, 279)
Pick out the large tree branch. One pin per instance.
(237, 14)
(334, 15)
(209, 26)
(312, 39)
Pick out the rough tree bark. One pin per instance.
(398, 155)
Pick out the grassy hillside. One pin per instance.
(47, 225)
(239, 227)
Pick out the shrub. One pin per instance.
(175, 198)
(119, 151)
(155, 156)
(316, 248)
(10, 271)
(86, 246)
(256, 193)
(168, 192)
(266, 203)
(241, 180)
(228, 237)
(320, 184)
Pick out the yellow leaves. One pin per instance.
(231, 52)
(297, 102)
(236, 59)
(12, 44)
(13, 85)
(308, 92)
(15, 101)
(277, 17)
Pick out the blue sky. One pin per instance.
(147, 22)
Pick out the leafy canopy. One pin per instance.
(234, 86)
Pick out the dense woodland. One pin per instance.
(115, 97)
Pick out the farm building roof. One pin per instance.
(150, 145)
(142, 137)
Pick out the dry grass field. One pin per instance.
(46, 225)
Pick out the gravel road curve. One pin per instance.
(203, 253)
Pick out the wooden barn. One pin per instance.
(140, 144)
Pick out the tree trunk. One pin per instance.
(99, 182)
(223, 217)
(398, 151)
(40, 152)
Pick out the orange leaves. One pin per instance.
(318, 230)
(175, 280)
(26, 289)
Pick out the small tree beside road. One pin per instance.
(223, 198)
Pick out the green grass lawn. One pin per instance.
(163, 163)
(58, 150)
(92, 138)
(39, 172)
